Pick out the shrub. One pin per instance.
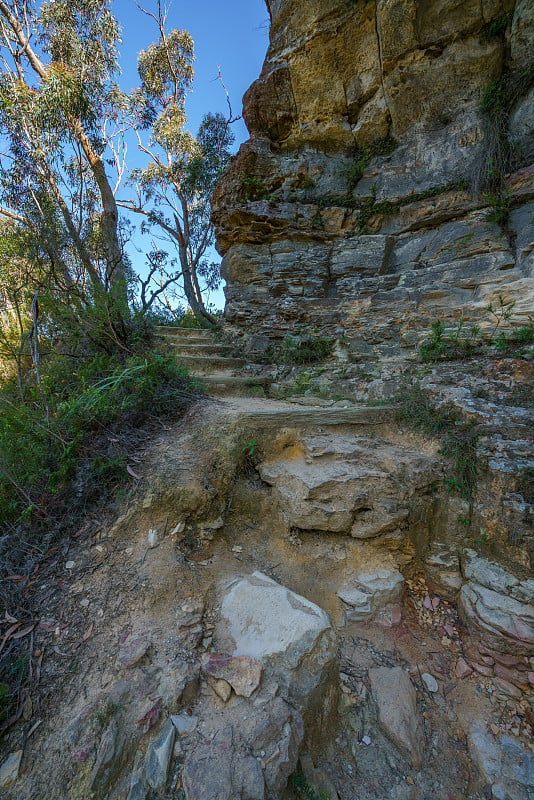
(457, 344)
(91, 413)
(64, 452)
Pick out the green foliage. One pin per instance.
(304, 790)
(95, 412)
(369, 207)
(463, 341)
(305, 182)
(250, 448)
(494, 29)
(168, 65)
(297, 350)
(503, 93)
(175, 188)
(457, 344)
(458, 438)
(500, 203)
(525, 484)
(251, 455)
(254, 188)
(380, 147)
(499, 157)
(517, 338)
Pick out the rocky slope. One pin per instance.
(389, 177)
(225, 640)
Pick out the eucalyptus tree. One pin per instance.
(59, 110)
(173, 191)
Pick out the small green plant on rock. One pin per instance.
(525, 484)
(500, 203)
(305, 790)
(494, 29)
(364, 156)
(500, 157)
(296, 350)
(457, 344)
(250, 456)
(254, 188)
(463, 341)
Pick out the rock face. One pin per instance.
(348, 484)
(355, 207)
(498, 610)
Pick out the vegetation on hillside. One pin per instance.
(82, 388)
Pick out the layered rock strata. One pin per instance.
(388, 180)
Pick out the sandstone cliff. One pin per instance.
(389, 177)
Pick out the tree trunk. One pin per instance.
(191, 290)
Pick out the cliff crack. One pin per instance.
(380, 59)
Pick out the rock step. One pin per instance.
(201, 349)
(178, 341)
(279, 414)
(226, 384)
(204, 365)
(168, 331)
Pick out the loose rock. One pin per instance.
(9, 771)
(243, 673)
(395, 697)
(158, 756)
(430, 682)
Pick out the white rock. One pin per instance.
(264, 619)
(430, 682)
(158, 756)
(70, 565)
(184, 724)
(180, 528)
(213, 525)
(370, 593)
(153, 538)
(347, 484)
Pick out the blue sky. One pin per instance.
(232, 34)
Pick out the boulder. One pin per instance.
(497, 607)
(442, 568)
(158, 756)
(348, 484)
(250, 746)
(242, 673)
(111, 756)
(9, 771)
(132, 651)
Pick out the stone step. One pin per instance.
(204, 365)
(275, 414)
(200, 349)
(170, 332)
(189, 341)
(225, 384)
